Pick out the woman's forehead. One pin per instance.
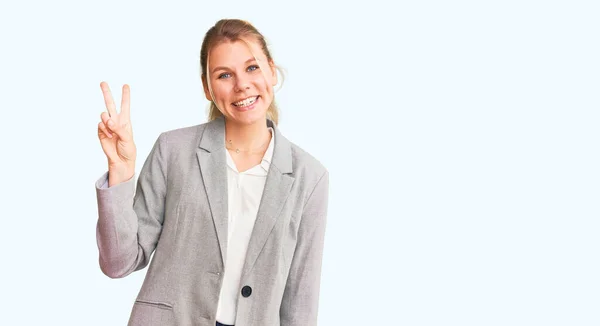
(235, 52)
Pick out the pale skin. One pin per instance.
(235, 75)
(116, 137)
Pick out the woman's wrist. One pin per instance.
(120, 174)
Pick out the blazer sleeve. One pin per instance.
(130, 222)
(300, 301)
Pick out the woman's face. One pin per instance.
(242, 87)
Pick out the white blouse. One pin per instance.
(244, 193)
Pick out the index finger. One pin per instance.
(125, 102)
(108, 99)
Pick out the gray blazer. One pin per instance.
(179, 212)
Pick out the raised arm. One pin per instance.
(129, 220)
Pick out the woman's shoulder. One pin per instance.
(182, 138)
(188, 133)
(305, 162)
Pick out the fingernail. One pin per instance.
(110, 123)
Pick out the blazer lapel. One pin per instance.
(277, 188)
(213, 168)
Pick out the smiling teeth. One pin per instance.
(246, 102)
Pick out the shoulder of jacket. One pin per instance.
(306, 162)
(184, 134)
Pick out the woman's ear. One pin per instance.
(273, 72)
(206, 90)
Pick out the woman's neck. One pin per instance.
(247, 137)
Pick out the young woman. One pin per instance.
(233, 211)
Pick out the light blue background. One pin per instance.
(461, 138)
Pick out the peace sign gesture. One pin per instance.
(116, 137)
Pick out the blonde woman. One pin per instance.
(233, 211)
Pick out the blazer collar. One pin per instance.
(213, 139)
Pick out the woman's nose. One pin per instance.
(242, 84)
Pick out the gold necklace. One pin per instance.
(237, 150)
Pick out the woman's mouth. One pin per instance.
(246, 104)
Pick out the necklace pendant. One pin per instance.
(237, 150)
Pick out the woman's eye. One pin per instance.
(221, 76)
(253, 67)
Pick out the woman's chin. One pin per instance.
(248, 117)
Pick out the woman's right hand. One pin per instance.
(116, 137)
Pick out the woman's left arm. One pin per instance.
(300, 303)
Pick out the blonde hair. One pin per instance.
(233, 30)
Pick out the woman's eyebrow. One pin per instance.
(225, 68)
